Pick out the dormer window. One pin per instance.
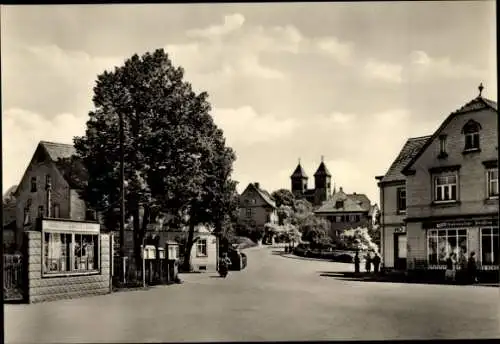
(339, 204)
(442, 147)
(471, 136)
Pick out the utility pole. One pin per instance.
(122, 196)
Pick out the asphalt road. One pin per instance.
(275, 298)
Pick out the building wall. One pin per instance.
(60, 194)
(210, 261)
(365, 221)
(54, 288)
(77, 206)
(417, 244)
(388, 246)
(472, 174)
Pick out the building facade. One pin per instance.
(256, 207)
(450, 191)
(392, 187)
(346, 211)
(322, 185)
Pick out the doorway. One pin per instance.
(400, 251)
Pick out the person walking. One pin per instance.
(356, 262)
(368, 262)
(376, 263)
(450, 268)
(472, 268)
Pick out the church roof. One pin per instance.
(322, 170)
(299, 172)
(409, 150)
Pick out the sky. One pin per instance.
(346, 81)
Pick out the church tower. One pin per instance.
(322, 183)
(299, 181)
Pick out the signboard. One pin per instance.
(460, 223)
(401, 229)
(70, 226)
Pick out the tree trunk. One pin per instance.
(189, 245)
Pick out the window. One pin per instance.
(33, 184)
(339, 218)
(201, 248)
(70, 253)
(358, 218)
(492, 180)
(489, 246)
(56, 255)
(401, 200)
(442, 146)
(471, 135)
(48, 181)
(441, 243)
(445, 188)
(57, 211)
(27, 215)
(40, 211)
(249, 212)
(352, 218)
(339, 204)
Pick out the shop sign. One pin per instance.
(460, 223)
(70, 226)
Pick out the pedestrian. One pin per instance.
(356, 262)
(450, 268)
(472, 268)
(368, 262)
(376, 262)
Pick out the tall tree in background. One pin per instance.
(173, 150)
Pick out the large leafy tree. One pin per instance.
(176, 161)
(283, 197)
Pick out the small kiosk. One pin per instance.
(172, 250)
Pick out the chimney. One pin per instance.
(354, 193)
(257, 185)
(340, 189)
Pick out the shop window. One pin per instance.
(33, 184)
(489, 246)
(201, 248)
(70, 253)
(492, 180)
(445, 188)
(401, 201)
(471, 135)
(441, 243)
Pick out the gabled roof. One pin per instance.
(476, 104)
(365, 202)
(409, 150)
(299, 172)
(322, 170)
(262, 193)
(351, 203)
(63, 156)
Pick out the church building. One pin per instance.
(322, 184)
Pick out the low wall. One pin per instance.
(54, 288)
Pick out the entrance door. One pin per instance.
(400, 246)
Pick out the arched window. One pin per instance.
(471, 134)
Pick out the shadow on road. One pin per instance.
(384, 278)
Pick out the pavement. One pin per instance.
(275, 298)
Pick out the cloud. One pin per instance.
(243, 126)
(23, 129)
(231, 23)
(342, 52)
(424, 66)
(383, 71)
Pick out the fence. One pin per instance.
(14, 282)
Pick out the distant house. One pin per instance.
(322, 184)
(204, 252)
(49, 188)
(256, 207)
(346, 211)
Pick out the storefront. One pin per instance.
(67, 259)
(461, 237)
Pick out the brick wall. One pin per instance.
(472, 174)
(54, 288)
